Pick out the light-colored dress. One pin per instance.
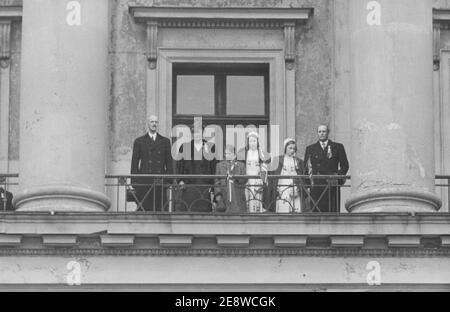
(289, 198)
(254, 189)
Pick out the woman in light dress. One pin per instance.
(289, 191)
(255, 165)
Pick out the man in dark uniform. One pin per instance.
(196, 192)
(151, 155)
(5, 198)
(325, 158)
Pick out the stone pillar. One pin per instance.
(392, 107)
(64, 97)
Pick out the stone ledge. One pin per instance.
(290, 241)
(242, 241)
(59, 240)
(403, 241)
(347, 241)
(436, 224)
(214, 242)
(10, 240)
(179, 14)
(175, 241)
(117, 240)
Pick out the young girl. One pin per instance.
(289, 195)
(255, 165)
(232, 189)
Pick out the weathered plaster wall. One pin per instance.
(222, 270)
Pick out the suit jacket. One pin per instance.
(324, 164)
(151, 157)
(195, 165)
(5, 198)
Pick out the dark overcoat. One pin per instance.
(329, 161)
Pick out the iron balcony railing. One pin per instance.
(222, 194)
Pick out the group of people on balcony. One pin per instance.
(236, 194)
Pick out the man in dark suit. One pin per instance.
(5, 198)
(325, 158)
(151, 155)
(196, 192)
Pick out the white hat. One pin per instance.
(254, 134)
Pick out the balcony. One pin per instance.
(178, 229)
(209, 194)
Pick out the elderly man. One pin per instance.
(325, 158)
(151, 155)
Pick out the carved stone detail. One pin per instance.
(441, 21)
(285, 18)
(219, 24)
(436, 45)
(152, 43)
(5, 43)
(289, 44)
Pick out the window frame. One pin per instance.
(220, 71)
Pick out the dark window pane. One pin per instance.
(195, 94)
(245, 95)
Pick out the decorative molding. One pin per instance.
(436, 45)
(221, 24)
(141, 13)
(245, 18)
(175, 241)
(289, 44)
(242, 241)
(290, 241)
(117, 240)
(59, 240)
(10, 240)
(347, 241)
(403, 241)
(5, 43)
(230, 252)
(10, 13)
(441, 15)
(441, 21)
(152, 43)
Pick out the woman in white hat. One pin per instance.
(255, 165)
(288, 191)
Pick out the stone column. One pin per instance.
(64, 97)
(392, 107)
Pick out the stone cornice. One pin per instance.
(141, 13)
(232, 17)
